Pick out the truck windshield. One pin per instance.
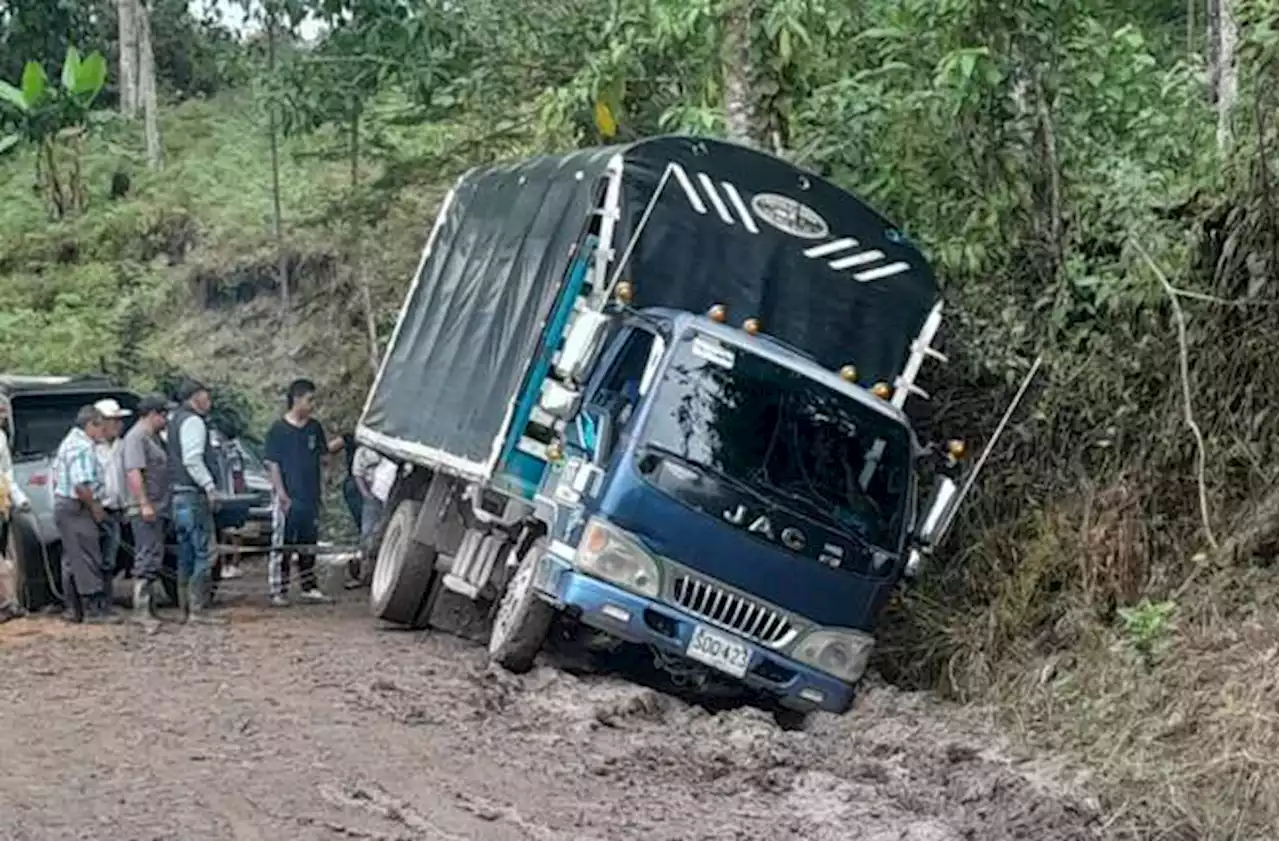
(801, 444)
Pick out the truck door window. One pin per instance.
(619, 389)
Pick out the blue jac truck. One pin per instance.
(658, 388)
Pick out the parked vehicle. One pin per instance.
(42, 410)
(658, 390)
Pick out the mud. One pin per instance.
(310, 723)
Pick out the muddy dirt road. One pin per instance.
(311, 724)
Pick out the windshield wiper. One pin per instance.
(699, 467)
(761, 493)
(826, 516)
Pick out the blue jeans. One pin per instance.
(193, 521)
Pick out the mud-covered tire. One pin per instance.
(522, 620)
(792, 721)
(403, 571)
(32, 588)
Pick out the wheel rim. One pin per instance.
(385, 568)
(514, 602)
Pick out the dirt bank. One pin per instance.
(311, 724)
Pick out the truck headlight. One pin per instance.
(608, 552)
(843, 654)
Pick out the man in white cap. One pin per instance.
(114, 500)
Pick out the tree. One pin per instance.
(55, 120)
(147, 84)
(273, 15)
(745, 120)
(137, 77)
(1222, 39)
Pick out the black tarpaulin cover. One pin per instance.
(824, 273)
(472, 317)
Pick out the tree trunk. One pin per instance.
(282, 263)
(362, 273)
(1228, 73)
(353, 144)
(1191, 28)
(126, 14)
(147, 85)
(1212, 10)
(746, 120)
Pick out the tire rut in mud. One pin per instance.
(311, 724)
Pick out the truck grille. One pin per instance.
(737, 613)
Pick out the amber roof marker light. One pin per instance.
(849, 374)
(718, 313)
(751, 326)
(881, 390)
(956, 449)
(625, 291)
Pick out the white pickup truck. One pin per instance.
(41, 409)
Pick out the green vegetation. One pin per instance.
(53, 119)
(1095, 182)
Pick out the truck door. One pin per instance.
(605, 422)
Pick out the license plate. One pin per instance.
(719, 651)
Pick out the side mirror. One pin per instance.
(938, 511)
(581, 344)
(558, 400)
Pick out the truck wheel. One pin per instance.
(403, 571)
(790, 720)
(522, 621)
(31, 585)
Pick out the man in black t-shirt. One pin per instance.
(294, 448)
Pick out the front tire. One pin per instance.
(792, 721)
(403, 572)
(523, 620)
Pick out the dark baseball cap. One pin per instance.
(189, 389)
(154, 403)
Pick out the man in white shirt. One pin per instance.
(9, 502)
(375, 475)
(113, 498)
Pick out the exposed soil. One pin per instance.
(310, 723)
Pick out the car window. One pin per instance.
(41, 421)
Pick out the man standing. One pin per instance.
(9, 504)
(77, 510)
(374, 475)
(113, 498)
(146, 465)
(294, 446)
(192, 464)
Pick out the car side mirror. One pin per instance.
(937, 512)
(581, 345)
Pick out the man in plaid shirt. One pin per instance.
(78, 488)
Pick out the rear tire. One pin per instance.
(403, 572)
(523, 620)
(32, 588)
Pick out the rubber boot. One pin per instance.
(99, 611)
(198, 602)
(142, 607)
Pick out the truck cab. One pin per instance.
(729, 501)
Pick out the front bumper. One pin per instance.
(636, 619)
